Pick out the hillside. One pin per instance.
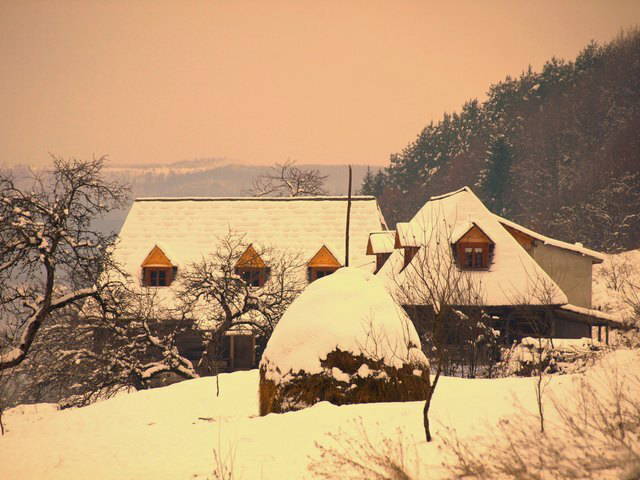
(172, 432)
(556, 150)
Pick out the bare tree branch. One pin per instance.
(285, 179)
(49, 255)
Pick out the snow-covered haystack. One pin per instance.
(343, 340)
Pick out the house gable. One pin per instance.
(474, 248)
(156, 258)
(250, 259)
(474, 235)
(157, 269)
(324, 258)
(526, 241)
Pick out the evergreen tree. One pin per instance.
(367, 187)
(541, 143)
(373, 184)
(495, 177)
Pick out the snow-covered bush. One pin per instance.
(616, 286)
(525, 358)
(344, 340)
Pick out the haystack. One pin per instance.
(343, 340)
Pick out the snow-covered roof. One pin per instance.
(513, 277)
(590, 312)
(574, 247)
(405, 235)
(187, 229)
(381, 242)
(462, 229)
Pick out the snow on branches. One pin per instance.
(50, 257)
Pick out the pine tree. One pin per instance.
(373, 184)
(494, 178)
(367, 183)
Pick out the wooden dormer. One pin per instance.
(323, 263)
(381, 244)
(474, 249)
(157, 269)
(405, 240)
(252, 268)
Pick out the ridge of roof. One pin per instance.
(255, 199)
(449, 194)
(552, 241)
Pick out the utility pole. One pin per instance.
(346, 237)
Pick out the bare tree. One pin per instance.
(622, 276)
(216, 289)
(534, 311)
(119, 340)
(125, 337)
(287, 180)
(50, 257)
(3, 386)
(434, 289)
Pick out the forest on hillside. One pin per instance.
(556, 150)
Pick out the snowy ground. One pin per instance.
(171, 432)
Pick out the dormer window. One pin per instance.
(474, 249)
(322, 264)
(474, 257)
(381, 245)
(157, 269)
(251, 268)
(407, 241)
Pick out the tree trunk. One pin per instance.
(425, 417)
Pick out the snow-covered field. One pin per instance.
(172, 432)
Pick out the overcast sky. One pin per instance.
(260, 82)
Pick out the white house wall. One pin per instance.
(571, 271)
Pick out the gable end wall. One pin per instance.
(571, 271)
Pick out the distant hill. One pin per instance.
(556, 150)
(210, 177)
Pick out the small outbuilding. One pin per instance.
(343, 340)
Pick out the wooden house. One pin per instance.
(519, 274)
(162, 236)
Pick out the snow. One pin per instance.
(592, 313)
(364, 371)
(381, 242)
(406, 235)
(460, 230)
(513, 276)
(170, 433)
(349, 310)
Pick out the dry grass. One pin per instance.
(596, 436)
(357, 456)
